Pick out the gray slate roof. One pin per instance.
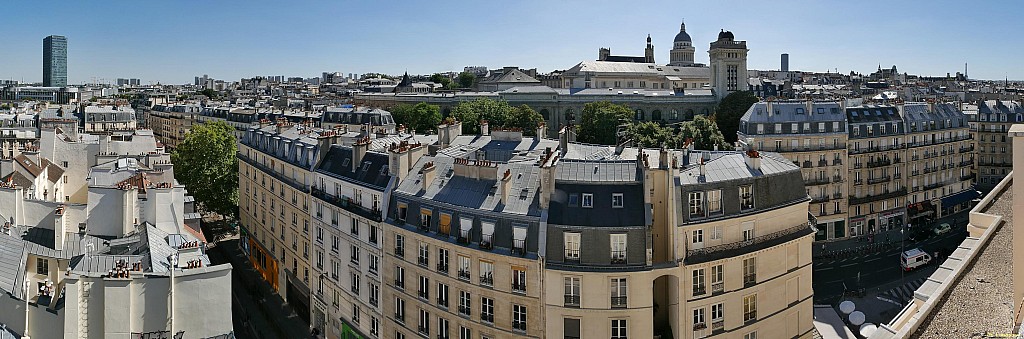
(731, 165)
(476, 193)
(372, 172)
(12, 260)
(598, 171)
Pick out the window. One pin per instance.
(424, 290)
(519, 279)
(373, 234)
(616, 200)
(619, 329)
(588, 200)
(399, 277)
(714, 201)
(618, 292)
(749, 271)
(698, 319)
(425, 217)
(463, 268)
(717, 276)
(400, 309)
(717, 316)
(319, 260)
(399, 245)
(465, 333)
(572, 246)
(519, 318)
(696, 204)
(319, 234)
(698, 282)
(618, 246)
(42, 266)
(355, 255)
(698, 237)
(374, 293)
(374, 264)
(750, 308)
(374, 326)
(424, 324)
(572, 291)
(442, 328)
(746, 197)
(335, 267)
(465, 303)
(445, 224)
(335, 243)
(355, 283)
(355, 313)
(402, 211)
(751, 335)
(573, 199)
(486, 273)
(487, 309)
(442, 295)
(424, 256)
(442, 260)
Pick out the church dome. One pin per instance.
(682, 36)
(726, 35)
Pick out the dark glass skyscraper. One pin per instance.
(55, 61)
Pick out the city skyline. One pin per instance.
(229, 42)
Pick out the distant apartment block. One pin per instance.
(55, 61)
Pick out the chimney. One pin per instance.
(484, 129)
(754, 160)
(563, 140)
(428, 174)
(59, 231)
(542, 130)
(359, 149)
(703, 171)
(663, 158)
(503, 188)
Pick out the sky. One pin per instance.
(171, 42)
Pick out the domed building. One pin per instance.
(682, 49)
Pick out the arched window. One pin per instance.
(689, 114)
(544, 113)
(704, 111)
(675, 114)
(656, 115)
(570, 115)
(639, 115)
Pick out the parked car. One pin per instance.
(942, 229)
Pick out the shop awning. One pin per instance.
(959, 198)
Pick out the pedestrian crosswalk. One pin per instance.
(902, 294)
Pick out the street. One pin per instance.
(872, 269)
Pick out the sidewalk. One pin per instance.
(261, 309)
(893, 235)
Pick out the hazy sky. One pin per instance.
(173, 41)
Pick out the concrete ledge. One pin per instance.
(981, 226)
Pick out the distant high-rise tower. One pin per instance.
(682, 49)
(728, 64)
(785, 62)
(55, 61)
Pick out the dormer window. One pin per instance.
(616, 200)
(588, 200)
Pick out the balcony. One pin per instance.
(618, 258)
(487, 279)
(749, 280)
(817, 181)
(872, 181)
(400, 318)
(399, 252)
(423, 261)
(717, 287)
(837, 179)
(347, 204)
(618, 302)
(519, 326)
(699, 290)
(820, 199)
(519, 247)
(967, 149)
(441, 267)
(967, 177)
(822, 163)
(462, 239)
(464, 274)
(400, 283)
(967, 163)
(933, 186)
(487, 317)
(879, 163)
(870, 198)
(749, 317)
(717, 325)
(837, 196)
(485, 242)
(572, 256)
(519, 287)
(696, 256)
(572, 300)
(423, 294)
(463, 310)
(807, 164)
(836, 162)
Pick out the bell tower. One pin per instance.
(649, 51)
(728, 64)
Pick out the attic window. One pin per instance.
(821, 110)
(384, 170)
(523, 193)
(366, 166)
(345, 162)
(799, 110)
(650, 66)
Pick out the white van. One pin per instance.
(914, 258)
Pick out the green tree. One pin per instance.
(524, 118)
(650, 134)
(441, 79)
(467, 79)
(209, 93)
(205, 162)
(421, 117)
(599, 122)
(730, 110)
(704, 133)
